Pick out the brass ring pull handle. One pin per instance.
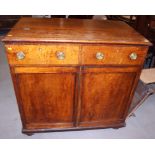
(133, 56)
(60, 55)
(20, 55)
(99, 55)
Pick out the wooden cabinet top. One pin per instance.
(74, 31)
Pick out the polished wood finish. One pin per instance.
(101, 89)
(79, 91)
(74, 31)
(8, 21)
(33, 70)
(113, 55)
(43, 103)
(43, 54)
(46, 54)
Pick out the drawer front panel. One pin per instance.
(115, 55)
(42, 54)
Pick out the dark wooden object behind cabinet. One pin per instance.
(72, 74)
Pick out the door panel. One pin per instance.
(47, 99)
(105, 95)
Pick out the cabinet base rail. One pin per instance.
(30, 132)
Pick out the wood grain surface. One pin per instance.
(74, 30)
(47, 98)
(79, 91)
(105, 94)
(113, 55)
(43, 54)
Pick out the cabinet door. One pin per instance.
(46, 96)
(106, 93)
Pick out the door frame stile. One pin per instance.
(78, 101)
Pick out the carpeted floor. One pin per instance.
(141, 126)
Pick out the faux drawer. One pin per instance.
(42, 54)
(114, 55)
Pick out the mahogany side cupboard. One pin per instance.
(72, 74)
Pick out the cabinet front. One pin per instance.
(46, 96)
(105, 95)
